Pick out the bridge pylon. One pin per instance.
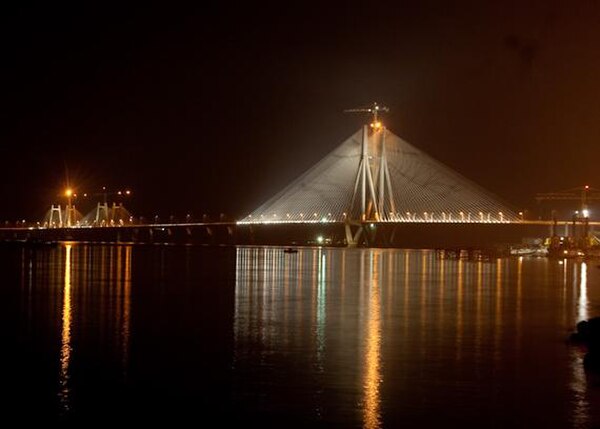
(376, 177)
(70, 215)
(55, 213)
(102, 216)
(364, 187)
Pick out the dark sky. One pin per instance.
(214, 108)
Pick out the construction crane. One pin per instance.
(374, 109)
(584, 194)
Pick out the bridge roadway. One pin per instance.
(379, 234)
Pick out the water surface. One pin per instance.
(322, 338)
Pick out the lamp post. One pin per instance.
(69, 212)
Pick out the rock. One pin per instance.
(588, 334)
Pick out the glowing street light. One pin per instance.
(377, 125)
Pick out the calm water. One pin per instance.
(322, 338)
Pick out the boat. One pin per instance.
(290, 250)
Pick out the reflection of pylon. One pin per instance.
(101, 220)
(55, 209)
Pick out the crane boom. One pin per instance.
(582, 194)
(374, 109)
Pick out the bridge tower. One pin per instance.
(102, 217)
(364, 184)
(371, 195)
(70, 215)
(55, 211)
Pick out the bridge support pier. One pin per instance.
(370, 233)
(393, 235)
(352, 239)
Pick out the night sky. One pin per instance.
(211, 109)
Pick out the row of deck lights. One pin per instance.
(407, 217)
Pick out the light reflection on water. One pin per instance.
(349, 337)
(581, 406)
(372, 399)
(94, 286)
(402, 312)
(65, 349)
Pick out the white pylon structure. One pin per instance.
(55, 217)
(105, 215)
(71, 216)
(102, 217)
(375, 176)
(375, 207)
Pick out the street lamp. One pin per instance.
(69, 212)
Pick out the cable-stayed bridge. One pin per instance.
(374, 176)
(370, 189)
